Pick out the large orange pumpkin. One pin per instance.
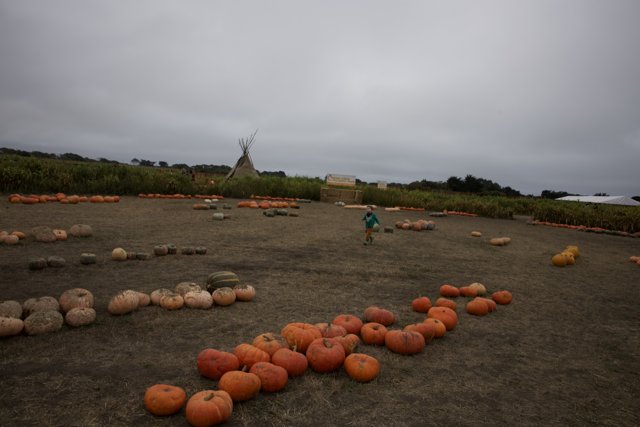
(421, 304)
(502, 297)
(439, 329)
(373, 333)
(209, 408)
(349, 342)
(444, 302)
(361, 367)
(325, 355)
(240, 385)
(404, 342)
(164, 399)
(214, 363)
(477, 307)
(248, 354)
(300, 335)
(447, 290)
(272, 377)
(329, 330)
(293, 362)
(426, 330)
(270, 342)
(379, 315)
(350, 323)
(446, 315)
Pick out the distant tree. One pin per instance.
(135, 161)
(180, 166)
(74, 157)
(455, 184)
(163, 164)
(144, 162)
(601, 194)
(549, 194)
(280, 174)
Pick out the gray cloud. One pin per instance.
(532, 94)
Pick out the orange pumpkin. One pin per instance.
(248, 354)
(270, 342)
(477, 307)
(96, 199)
(164, 399)
(446, 315)
(491, 304)
(60, 234)
(468, 291)
(444, 302)
(325, 355)
(373, 333)
(379, 315)
(123, 303)
(293, 362)
(224, 296)
(421, 304)
(361, 367)
(350, 323)
(172, 302)
(272, 377)
(214, 363)
(300, 335)
(502, 297)
(559, 260)
(349, 342)
(208, 408)
(240, 385)
(329, 330)
(426, 330)
(439, 329)
(404, 342)
(447, 290)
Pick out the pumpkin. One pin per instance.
(244, 292)
(19, 234)
(240, 385)
(158, 294)
(451, 291)
(325, 355)
(80, 230)
(118, 254)
(502, 297)
(96, 199)
(221, 279)
(350, 323)
(87, 258)
(198, 299)
(446, 315)
(42, 322)
(349, 342)
(444, 302)
(559, 260)
(439, 329)
(10, 240)
(421, 304)
(426, 330)
(270, 342)
(467, 291)
(172, 302)
(11, 309)
(160, 250)
(569, 258)
(224, 296)
(361, 367)
(10, 326)
(293, 362)
(215, 363)
(573, 250)
(183, 287)
(477, 307)
(249, 354)
(43, 234)
(373, 333)
(143, 299)
(498, 241)
(404, 342)
(299, 335)
(164, 399)
(37, 263)
(56, 261)
(33, 305)
(60, 234)
(123, 303)
(379, 315)
(80, 316)
(75, 298)
(209, 408)
(476, 234)
(329, 330)
(272, 377)
(491, 304)
(634, 259)
(479, 288)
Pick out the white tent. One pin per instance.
(607, 200)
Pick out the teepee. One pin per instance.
(244, 165)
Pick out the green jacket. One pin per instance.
(371, 220)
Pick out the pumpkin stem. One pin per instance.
(327, 343)
(208, 397)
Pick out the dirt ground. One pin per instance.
(565, 352)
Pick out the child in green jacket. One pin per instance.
(370, 219)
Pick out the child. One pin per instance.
(370, 219)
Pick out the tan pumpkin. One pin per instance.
(158, 294)
(172, 302)
(183, 287)
(574, 250)
(143, 299)
(75, 298)
(119, 254)
(10, 326)
(10, 239)
(244, 292)
(60, 234)
(11, 309)
(476, 234)
(80, 316)
(224, 296)
(43, 322)
(198, 299)
(479, 288)
(33, 305)
(123, 303)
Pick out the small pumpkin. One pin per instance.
(404, 342)
(249, 354)
(244, 292)
(224, 296)
(270, 342)
(124, 302)
(80, 230)
(299, 335)
(33, 305)
(10, 239)
(80, 316)
(42, 322)
(293, 362)
(476, 234)
(573, 250)
(198, 299)
(426, 330)
(467, 291)
(60, 234)
(221, 279)
(240, 385)
(75, 298)
(329, 330)
(10, 326)
(158, 294)
(183, 287)
(446, 315)
(569, 258)
(450, 291)
(502, 297)
(439, 329)
(379, 315)
(143, 299)
(119, 254)
(479, 288)
(209, 408)
(272, 377)
(11, 308)
(325, 355)
(445, 302)
(559, 260)
(214, 363)
(349, 342)
(352, 324)
(421, 304)
(172, 302)
(373, 333)
(163, 399)
(477, 307)
(491, 304)
(361, 367)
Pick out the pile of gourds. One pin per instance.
(32, 199)
(567, 257)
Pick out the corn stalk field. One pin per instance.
(28, 175)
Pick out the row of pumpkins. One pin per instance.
(418, 225)
(62, 198)
(271, 359)
(567, 257)
(45, 314)
(45, 234)
(266, 204)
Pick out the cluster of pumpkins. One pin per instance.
(62, 198)
(478, 306)
(266, 204)
(47, 314)
(567, 257)
(45, 234)
(179, 196)
(418, 225)
(635, 259)
(271, 359)
(119, 254)
(223, 289)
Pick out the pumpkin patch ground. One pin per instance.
(565, 351)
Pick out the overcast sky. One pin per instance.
(533, 94)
